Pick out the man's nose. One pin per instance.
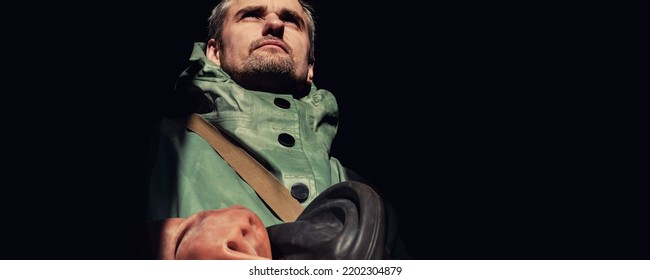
(274, 26)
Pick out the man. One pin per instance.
(254, 80)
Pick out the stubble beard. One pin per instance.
(270, 72)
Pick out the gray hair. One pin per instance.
(219, 13)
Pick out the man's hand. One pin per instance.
(232, 233)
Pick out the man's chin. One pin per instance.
(269, 64)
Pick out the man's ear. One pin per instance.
(212, 52)
(310, 73)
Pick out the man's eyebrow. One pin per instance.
(294, 15)
(284, 13)
(249, 9)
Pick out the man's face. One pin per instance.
(265, 45)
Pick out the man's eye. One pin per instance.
(290, 20)
(251, 15)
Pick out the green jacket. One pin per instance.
(291, 137)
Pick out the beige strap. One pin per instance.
(269, 188)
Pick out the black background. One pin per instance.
(489, 128)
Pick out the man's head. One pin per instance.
(265, 45)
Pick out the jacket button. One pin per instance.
(282, 103)
(286, 140)
(300, 192)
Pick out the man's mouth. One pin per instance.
(273, 44)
